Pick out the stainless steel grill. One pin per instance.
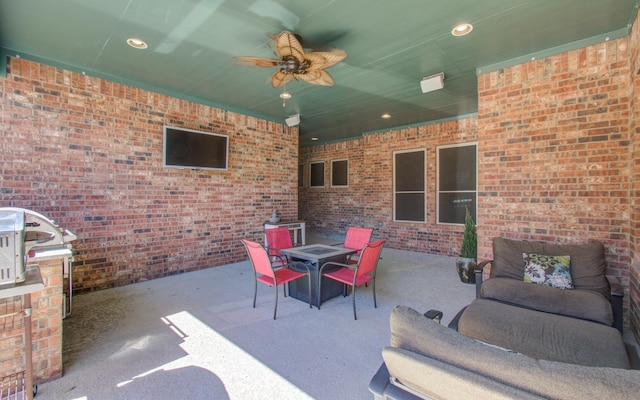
(12, 256)
(28, 236)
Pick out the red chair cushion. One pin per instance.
(283, 275)
(345, 275)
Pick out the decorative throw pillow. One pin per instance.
(546, 270)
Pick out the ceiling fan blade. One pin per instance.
(279, 79)
(257, 61)
(273, 42)
(334, 56)
(288, 45)
(319, 77)
(322, 60)
(317, 61)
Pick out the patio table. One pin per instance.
(314, 255)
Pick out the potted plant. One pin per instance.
(467, 260)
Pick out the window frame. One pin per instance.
(456, 193)
(424, 186)
(311, 174)
(346, 172)
(300, 175)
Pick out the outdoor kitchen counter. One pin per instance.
(49, 251)
(49, 309)
(46, 325)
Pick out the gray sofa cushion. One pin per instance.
(578, 303)
(543, 335)
(439, 380)
(414, 333)
(587, 261)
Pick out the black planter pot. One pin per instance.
(465, 267)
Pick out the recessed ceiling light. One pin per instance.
(462, 29)
(385, 116)
(137, 43)
(314, 139)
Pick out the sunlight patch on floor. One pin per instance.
(242, 375)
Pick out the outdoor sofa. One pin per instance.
(520, 338)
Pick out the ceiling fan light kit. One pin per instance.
(433, 82)
(285, 96)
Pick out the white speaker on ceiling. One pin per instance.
(293, 120)
(433, 82)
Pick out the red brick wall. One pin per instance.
(47, 323)
(87, 153)
(368, 200)
(554, 150)
(46, 328)
(634, 132)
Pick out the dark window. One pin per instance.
(317, 174)
(339, 173)
(457, 182)
(409, 186)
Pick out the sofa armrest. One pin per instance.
(616, 286)
(434, 315)
(379, 382)
(617, 296)
(456, 319)
(478, 271)
(383, 389)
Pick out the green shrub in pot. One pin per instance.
(467, 260)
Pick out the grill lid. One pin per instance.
(40, 230)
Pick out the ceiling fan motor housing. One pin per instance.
(291, 65)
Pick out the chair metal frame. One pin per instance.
(355, 274)
(272, 274)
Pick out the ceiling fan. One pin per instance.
(295, 63)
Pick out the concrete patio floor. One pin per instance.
(196, 336)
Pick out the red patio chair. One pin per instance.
(278, 238)
(355, 275)
(272, 275)
(356, 239)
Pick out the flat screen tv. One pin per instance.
(186, 148)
